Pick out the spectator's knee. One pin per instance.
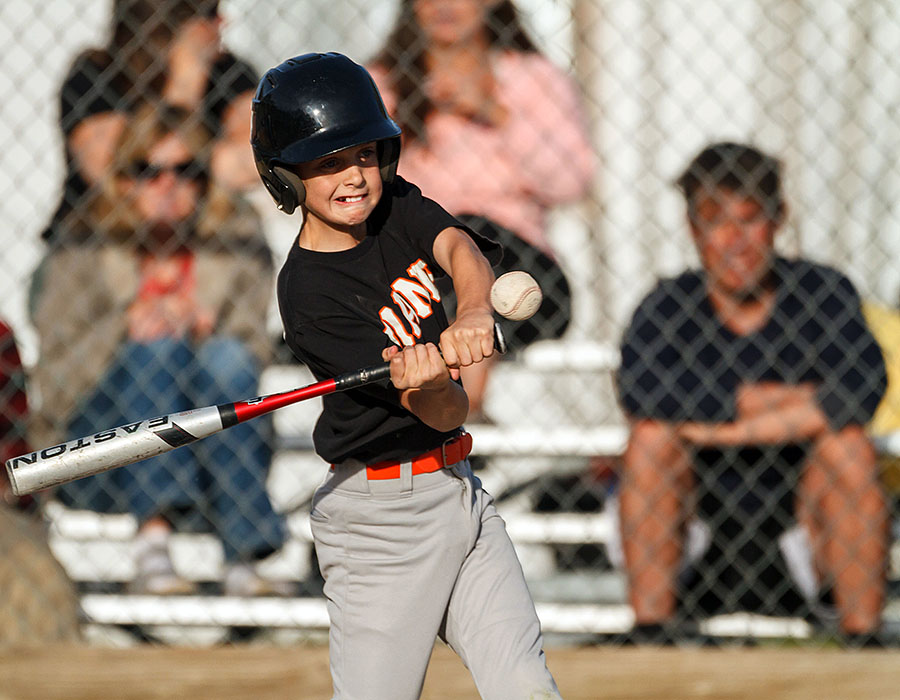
(848, 456)
(655, 456)
(652, 434)
(655, 441)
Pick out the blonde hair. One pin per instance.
(112, 209)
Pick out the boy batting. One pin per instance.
(410, 546)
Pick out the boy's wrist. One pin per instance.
(473, 306)
(438, 386)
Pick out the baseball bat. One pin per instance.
(133, 442)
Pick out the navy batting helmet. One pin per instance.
(310, 106)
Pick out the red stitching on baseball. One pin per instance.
(528, 293)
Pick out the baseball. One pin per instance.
(516, 296)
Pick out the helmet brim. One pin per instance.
(329, 141)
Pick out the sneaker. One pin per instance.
(655, 634)
(242, 581)
(876, 639)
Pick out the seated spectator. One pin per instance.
(13, 413)
(748, 384)
(161, 311)
(159, 50)
(496, 133)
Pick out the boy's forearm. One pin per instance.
(472, 282)
(470, 271)
(470, 338)
(442, 409)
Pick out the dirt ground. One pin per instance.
(250, 672)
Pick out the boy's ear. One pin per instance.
(291, 192)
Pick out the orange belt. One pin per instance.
(453, 451)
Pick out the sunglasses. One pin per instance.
(186, 170)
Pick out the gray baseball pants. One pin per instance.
(409, 560)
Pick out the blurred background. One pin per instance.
(817, 85)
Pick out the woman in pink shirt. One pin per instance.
(492, 129)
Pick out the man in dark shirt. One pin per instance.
(747, 385)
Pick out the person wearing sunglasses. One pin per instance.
(166, 315)
(159, 51)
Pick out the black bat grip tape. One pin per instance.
(377, 373)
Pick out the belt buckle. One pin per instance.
(445, 444)
(444, 451)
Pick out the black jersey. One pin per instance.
(341, 309)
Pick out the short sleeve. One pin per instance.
(421, 220)
(646, 364)
(851, 362)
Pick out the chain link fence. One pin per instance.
(567, 144)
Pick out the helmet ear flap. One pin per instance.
(285, 187)
(280, 187)
(388, 157)
(292, 185)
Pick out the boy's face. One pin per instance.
(342, 189)
(734, 238)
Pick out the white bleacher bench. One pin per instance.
(311, 613)
(582, 356)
